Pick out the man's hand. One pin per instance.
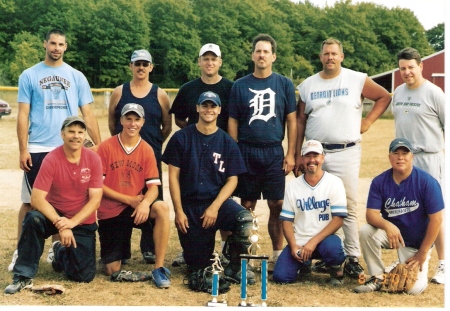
(25, 161)
(134, 201)
(63, 223)
(417, 260)
(181, 222)
(209, 217)
(308, 249)
(288, 164)
(141, 212)
(299, 168)
(67, 238)
(394, 236)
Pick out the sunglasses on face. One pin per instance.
(143, 64)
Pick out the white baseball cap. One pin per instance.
(312, 146)
(210, 47)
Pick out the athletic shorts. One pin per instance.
(115, 235)
(30, 177)
(264, 175)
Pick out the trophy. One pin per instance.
(252, 255)
(216, 269)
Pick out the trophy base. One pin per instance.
(252, 305)
(216, 304)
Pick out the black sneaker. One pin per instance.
(352, 267)
(320, 267)
(128, 276)
(373, 284)
(55, 260)
(149, 257)
(17, 286)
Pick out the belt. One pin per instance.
(338, 146)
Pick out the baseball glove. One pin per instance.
(49, 289)
(400, 279)
(87, 143)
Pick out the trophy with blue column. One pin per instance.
(216, 269)
(252, 255)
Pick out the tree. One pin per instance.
(436, 37)
(27, 51)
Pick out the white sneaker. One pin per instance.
(13, 261)
(391, 266)
(271, 263)
(50, 254)
(439, 277)
(179, 260)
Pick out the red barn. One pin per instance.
(433, 70)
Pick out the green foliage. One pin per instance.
(436, 37)
(102, 34)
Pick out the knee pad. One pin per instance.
(238, 242)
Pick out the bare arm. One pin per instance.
(335, 223)
(164, 101)
(301, 127)
(22, 135)
(374, 218)
(113, 101)
(91, 124)
(289, 159)
(430, 236)
(181, 123)
(288, 231)
(382, 98)
(233, 128)
(181, 221)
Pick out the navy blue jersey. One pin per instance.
(185, 103)
(205, 161)
(407, 205)
(261, 107)
(151, 131)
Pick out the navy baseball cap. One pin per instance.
(70, 120)
(141, 55)
(400, 142)
(133, 108)
(209, 96)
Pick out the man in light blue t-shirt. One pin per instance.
(49, 92)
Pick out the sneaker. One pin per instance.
(353, 268)
(161, 277)
(320, 267)
(336, 275)
(179, 260)
(371, 285)
(235, 275)
(201, 280)
(305, 269)
(128, 276)
(391, 266)
(55, 264)
(271, 264)
(439, 277)
(50, 254)
(13, 261)
(17, 286)
(149, 257)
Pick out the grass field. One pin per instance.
(312, 291)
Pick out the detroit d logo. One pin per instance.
(262, 102)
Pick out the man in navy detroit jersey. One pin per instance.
(204, 163)
(260, 105)
(404, 212)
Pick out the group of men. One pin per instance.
(229, 144)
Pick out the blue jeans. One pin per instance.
(330, 250)
(77, 263)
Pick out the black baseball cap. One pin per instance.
(209, 96)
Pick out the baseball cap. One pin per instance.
(133, 108)
(70, 120)
(210, 47)
(312, 146)
(209, 96)
(141, 55)
(400, 142)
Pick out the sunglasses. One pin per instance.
(143, 64)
